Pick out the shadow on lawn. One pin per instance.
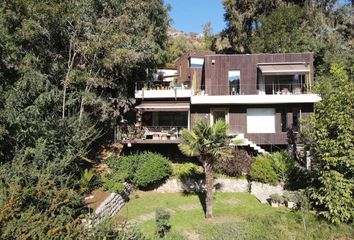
(201, 196)
(196, 187)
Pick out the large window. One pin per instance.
(261, 120)
(284, 84)
(165, 119)
(234, 82)
(196, 62)
(219, 114)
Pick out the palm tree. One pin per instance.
(208, 143)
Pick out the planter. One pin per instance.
(274, 204)
(290, 204)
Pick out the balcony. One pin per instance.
(150, 135)
(153, 90)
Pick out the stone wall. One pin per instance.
(112, 204)
(191, 185)
(260, 190)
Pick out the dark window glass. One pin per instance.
(219, 115)
(284, 120)
(234, 82)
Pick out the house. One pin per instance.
(260, 96)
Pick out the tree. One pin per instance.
(280, 26)
(208, 143)
(67, 69)
(330, 132)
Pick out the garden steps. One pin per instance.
(247, 142)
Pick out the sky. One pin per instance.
(190, 15)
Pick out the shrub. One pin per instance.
(335, 197)
(162, 219)
(153, 170)
(238, 165)
(262, 171)
(142, 169)
(282, 164)
(290, 197)
(276, 198)
(188, 170)
(89, 180)
(112, 183)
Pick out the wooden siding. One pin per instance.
(185, 74)
(216, 74)
(238, 120)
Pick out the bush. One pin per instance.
(153, 170)
(276, 198)
(335, 197)
(262, 171)
(282, 164)
(112, 183)
(238, 165)
(89, 180)
(188, 170)
(141, 169)
(162, 219)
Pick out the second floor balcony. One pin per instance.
(152, 90)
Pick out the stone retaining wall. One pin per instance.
(112, 204)
(260, 190)
(263, 191)
(191, 185)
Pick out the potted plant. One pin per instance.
(290, 200)
(276, 200)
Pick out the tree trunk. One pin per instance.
(209, 182)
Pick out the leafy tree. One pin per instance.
(284, 30)
(330, 132)
(67, 70)
(279, 26)
(208, 143)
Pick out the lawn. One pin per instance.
(236, 216)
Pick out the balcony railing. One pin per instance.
(162, 90)
(162, 133)
(168, 90)
(245, 89)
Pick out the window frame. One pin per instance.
(239, 81)
(225, 110)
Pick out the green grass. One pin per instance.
(236, 216)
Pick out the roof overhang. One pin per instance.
(164, 106)
(284, 69)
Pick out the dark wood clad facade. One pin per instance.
(238, 119)
(217, 67)
(185, 73)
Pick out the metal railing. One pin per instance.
(162, 132)
(276, 88)
(245, 89)
(160, 86)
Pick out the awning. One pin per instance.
(164, 106)
(284, 69)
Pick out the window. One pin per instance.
(234, 82)
(196, 62)
(165, 119)
(284, 120)
(295, 119)
(261, 120)
(219, 114)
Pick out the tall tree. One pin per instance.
(208, 143)
(67, 68)
(330, 133)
